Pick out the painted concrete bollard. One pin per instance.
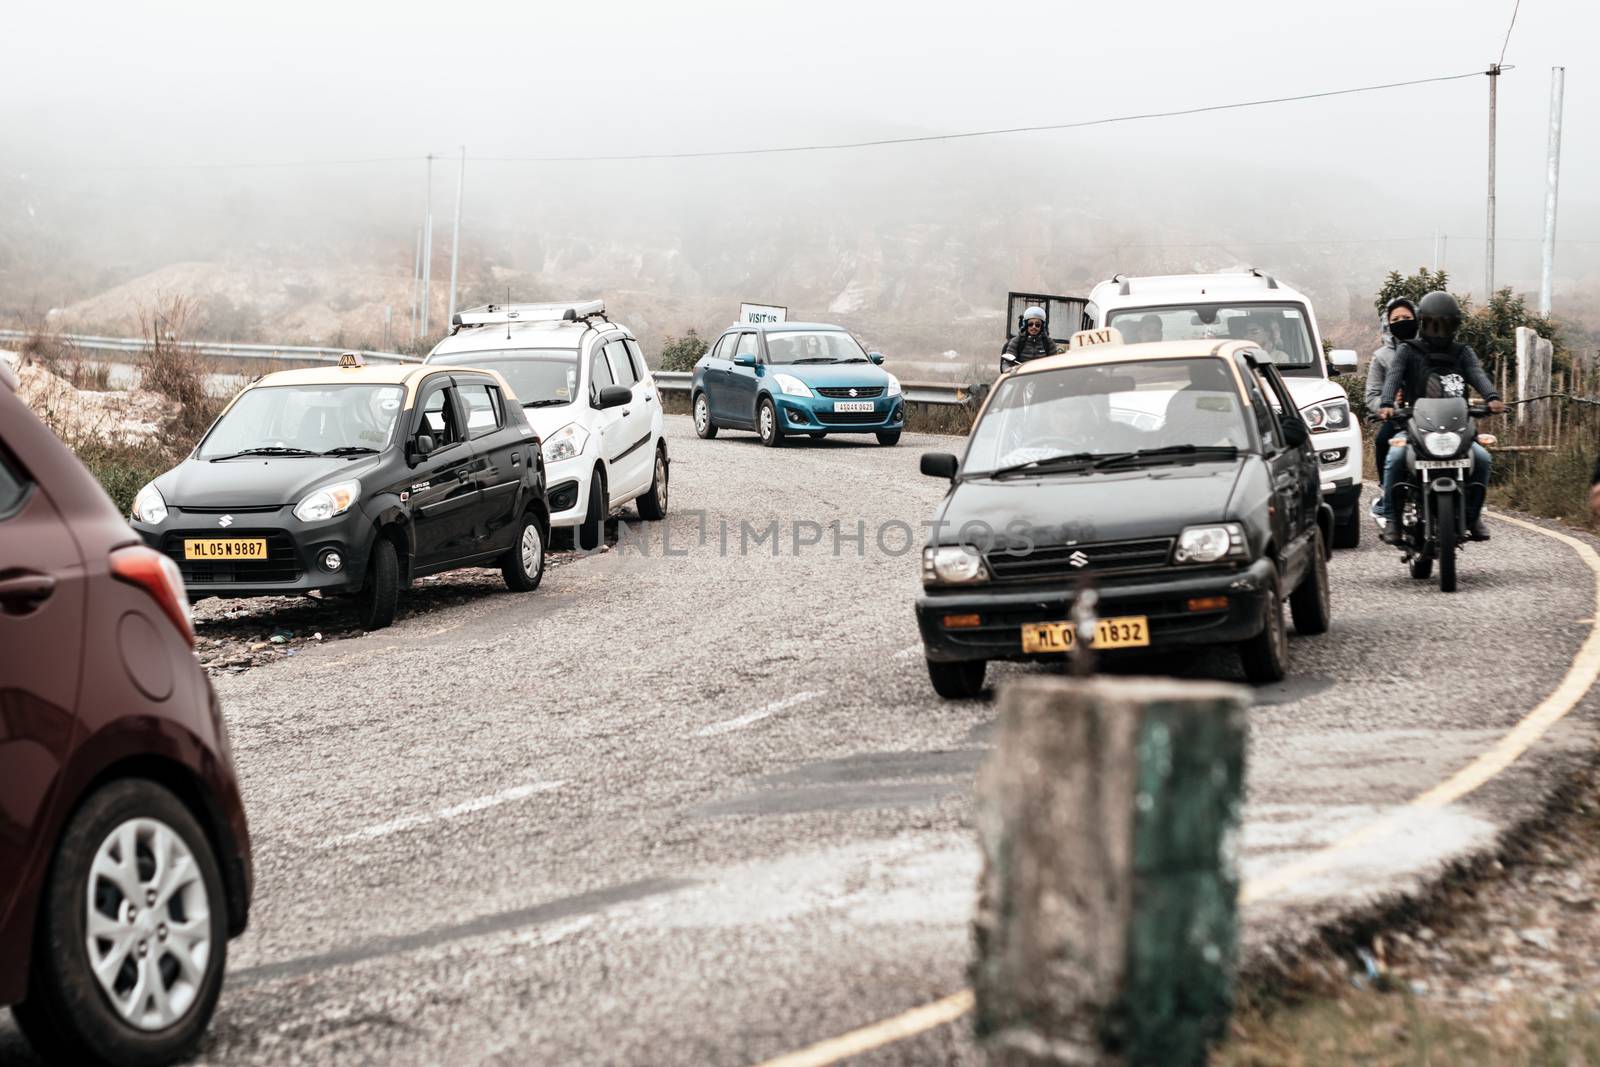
(1107, 923)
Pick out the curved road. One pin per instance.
(704, 808)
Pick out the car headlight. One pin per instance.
(565, 443)
(1208, 544)
(952, 565)
(1441, 442)
(1328, 416)
(149, 506)
(791, 385)
(328, 501)
(894, 386)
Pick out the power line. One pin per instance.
(1506, 43)
(264, 165)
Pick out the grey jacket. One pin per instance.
(1422, 373)
(1377, 371)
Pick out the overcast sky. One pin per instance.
(90, 86)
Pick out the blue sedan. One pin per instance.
(788, 378)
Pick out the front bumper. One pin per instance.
(1004, 608)
(568, 492)
(295, 551)
(816, 414)
(1341, 476)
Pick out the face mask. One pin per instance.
(1403, 329)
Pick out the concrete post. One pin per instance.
(1534, 355)
(1107, 926)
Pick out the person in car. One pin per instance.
(1399, 325)
(1437, 365)
(1034, 340)
(1256, 331)
(1146, 330)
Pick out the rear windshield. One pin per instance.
(1280, 328)
(540, 377)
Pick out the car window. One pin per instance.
(725, 345)
(638, 357)
(13, 487)
(539, 377)
(439, 418)
(1267, 408)
(485, 413)
(621, 364)
(319, 418)
(1281, 328)
(813, 346)
(747, 345)
(599, 375)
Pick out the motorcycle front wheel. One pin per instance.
(1446, 512)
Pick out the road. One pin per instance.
(705, 809)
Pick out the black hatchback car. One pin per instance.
(1174, 478)
(354, 480)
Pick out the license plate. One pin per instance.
(1128, 631)
(852, 405)
(1443, 464)
(225, 548)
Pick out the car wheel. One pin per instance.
(592, 531)
(1266, 656)
(653, 505)
(380, 596)
(1311, 605)
(818, 436)
(523, 565)
(702, 417)
(133, 933)
(888, 437)
(958, 681)
(1347, 532)
(767, 427)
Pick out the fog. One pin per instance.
(289, 138)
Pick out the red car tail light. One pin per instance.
(158, 576)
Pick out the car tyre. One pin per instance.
(523, 564)
(958, 681)
(69, 1016)
(1347, 532)
(1265, 656)
(767, 427)
(818, 436)
(702, 417)
(888, 437)
(380, 594)
(653, 505)
(1311, 604)
(592, 531)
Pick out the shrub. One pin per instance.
(682, 353)
(173, 368)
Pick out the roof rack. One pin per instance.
(500, 314)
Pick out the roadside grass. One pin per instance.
(1553, 485)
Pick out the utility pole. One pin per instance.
(455, 241)
(1552, 176)
(1436, 250)
(1488, 254)
(416, 279)
(427, 247)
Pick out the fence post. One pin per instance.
(1108, 814)
(1533, 376)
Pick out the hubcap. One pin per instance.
(150, 961)
(530, 550)
(766, 421)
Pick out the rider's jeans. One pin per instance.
(1394, 472)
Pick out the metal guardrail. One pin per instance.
(942, 393)
(133, 346)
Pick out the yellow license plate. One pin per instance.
(225, 548)
(1127, 631)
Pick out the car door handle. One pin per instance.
(626, 413)
(21, 593)
(516, 459)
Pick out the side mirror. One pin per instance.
(744, 359)
(876, 357)
(422, 445)
(939, 465)
(1295, 431)
(1343, 359)
(614, 396)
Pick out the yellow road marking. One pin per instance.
(1583, 673)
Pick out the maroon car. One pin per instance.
(124, 854)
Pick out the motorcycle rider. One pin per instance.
(1034, 340)
(1436, 365)
(1399, 325)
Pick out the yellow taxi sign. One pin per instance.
(1105, 335)
(348, 360)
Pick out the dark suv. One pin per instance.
(355, 480)
(124, 854)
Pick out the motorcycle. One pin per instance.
(1432, 500)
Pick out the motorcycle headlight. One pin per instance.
(791, 385)
(565, 443)
(1441, 442)
(894, 386)
(952, 565)
(149, 507)
(328, 501)
(1327, 416)
(1208, 544)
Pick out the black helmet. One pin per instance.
(1438, 318)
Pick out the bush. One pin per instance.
(682, 353)
(175, 370)
(124, 469)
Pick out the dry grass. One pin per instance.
(175, 370)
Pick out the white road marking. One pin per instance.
(467, 807)
(729, 725)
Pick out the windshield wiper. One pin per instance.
(267, 450)
(1046, 464)
(813, 359)
(350, 450)
(545, 403)
(853, 359)
(1169, 452)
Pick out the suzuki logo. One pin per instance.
(225, 521)
(854, 393)
(1078, 559)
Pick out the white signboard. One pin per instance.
(762, 313)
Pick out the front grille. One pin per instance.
(849, 418)
(263, 509)
(281, 565)
(848, 392)
(1061, 561)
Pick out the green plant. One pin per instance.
(681, 353)
(1490, 329)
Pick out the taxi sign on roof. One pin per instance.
(1105, 335)
(351, 359)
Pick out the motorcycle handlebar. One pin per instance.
(1403, 414)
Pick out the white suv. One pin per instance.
(1254, 306)
(582, 381)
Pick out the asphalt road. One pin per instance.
(705, 809)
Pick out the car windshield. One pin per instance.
(306, 419)
(1101, 411)
(1280, 328)
(541, 377)
(813, 346)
